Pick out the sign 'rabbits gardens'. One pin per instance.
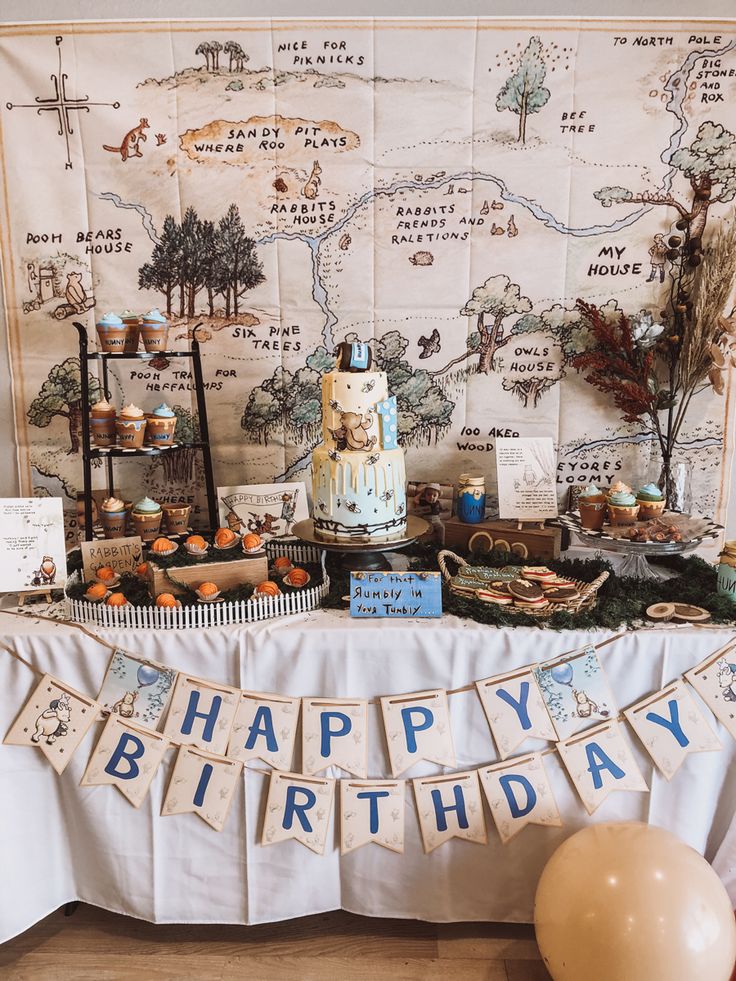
(290, 189)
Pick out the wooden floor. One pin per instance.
(93, 945)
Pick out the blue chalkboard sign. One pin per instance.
(395, 594)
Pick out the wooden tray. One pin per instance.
(587, 591)
(227, 575)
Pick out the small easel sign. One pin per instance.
(526, 470)
(398, 595)
(33, 546)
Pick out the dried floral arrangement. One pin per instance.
(652, 370)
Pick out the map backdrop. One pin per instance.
(445, 189)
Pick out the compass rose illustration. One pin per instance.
(62, 104)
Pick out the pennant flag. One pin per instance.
(56, 718)
(389, 423)
(600, 761)
(201, 714)
(265, 729)
(204, 784)
(515, 709)
(335, 733)
(418, 728)
(127, 757)
(576, 691)
(519, 793)
(372, 810)
(136, 689)
(670, 725)
(298, 807)
(714, 679)
(450, 807)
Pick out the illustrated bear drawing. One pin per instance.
(352, 433)
(125, 707)
(52, 722)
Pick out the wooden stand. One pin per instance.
(536, 542)
(28, 593)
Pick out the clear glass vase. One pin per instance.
(674, 479)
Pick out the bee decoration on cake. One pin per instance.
(387, 495)
(335, 405)
(368, 386)
(334, 456)
(322, 506)
(352, 507)
(400, 509)
(374, 458)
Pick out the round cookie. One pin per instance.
(523, 589)
(561, 594)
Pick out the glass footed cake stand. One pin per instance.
(637, 554)
(361, 556)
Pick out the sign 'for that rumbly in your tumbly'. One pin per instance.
(395, 594)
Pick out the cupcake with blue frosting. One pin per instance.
(112, 332)
(146, 517)
(592, 505)
(651, 502)
(155, 331)
(622, 505)
(161, 426)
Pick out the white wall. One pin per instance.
(55, 10)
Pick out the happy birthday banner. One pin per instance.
(217, 729)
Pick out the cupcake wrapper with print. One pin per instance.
(592, 515)
(176, 518)
(132, 336)
(103, 431)
(650, 509)
(131, 433)
(147, 525)
(114, 523)
(112, 338)
(160, 432)
(618, 515)
(154, 336)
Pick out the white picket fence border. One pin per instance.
(209, 614)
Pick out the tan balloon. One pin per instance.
(626, 901)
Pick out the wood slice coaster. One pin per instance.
(690, 614)
(661, 611)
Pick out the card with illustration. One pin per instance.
(576, 691)
(526, 469)
(136, 689)
(32, 543)
(269, 510)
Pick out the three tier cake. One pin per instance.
(358, 473)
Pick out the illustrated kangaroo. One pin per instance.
(131, 145)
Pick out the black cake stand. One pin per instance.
(361, 556)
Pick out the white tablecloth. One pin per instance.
(60, 842)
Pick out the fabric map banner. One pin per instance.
(374, 179)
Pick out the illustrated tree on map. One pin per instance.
(523, 92)
(497, 299)
(563, 330)
(237, 56)
(291, 402)
(178, 467)
(199, 255)
(709, 164)
(61, 395)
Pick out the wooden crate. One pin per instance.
(542, 543)
(226, 575)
